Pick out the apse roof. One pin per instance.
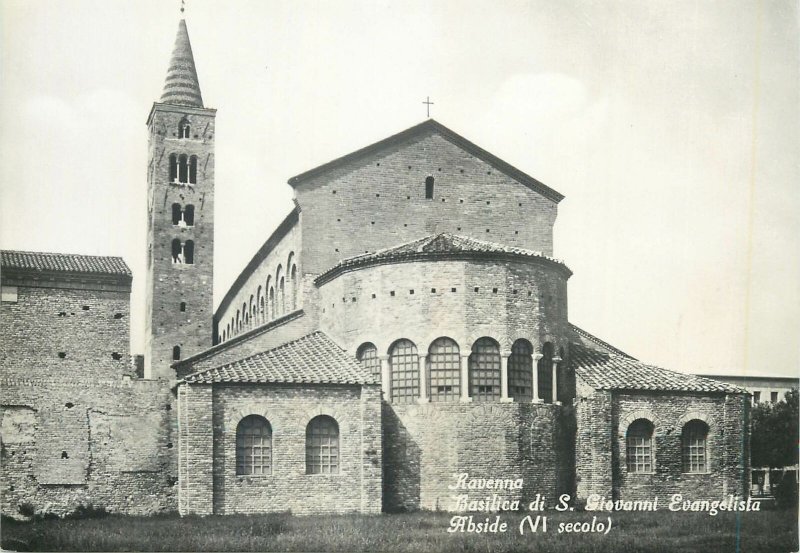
(182, 86)
(612, 371)
(432, 126)
(438, 246)
(61, 262)
(312, 359)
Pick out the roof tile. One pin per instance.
(60, 262)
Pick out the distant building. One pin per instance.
(763, 388)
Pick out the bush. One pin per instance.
(26, 509)
(88, 511)
(786, 492)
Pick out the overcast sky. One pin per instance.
(673, 129)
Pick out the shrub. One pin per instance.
(26, 509)
(786, 492)
(88, 511)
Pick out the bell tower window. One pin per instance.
(182, 253)
(184, 129)
(173, 168)
(193, 170)
(429, 188)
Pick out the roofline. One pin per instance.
(178, 108)
(414, 257)
(750, 377)
(457, 139)
(216, 348)
(277, 235)
(599, 342)
(668, 390)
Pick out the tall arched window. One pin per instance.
(322, 446)
(176, 214)
(177, 251)
(228, 331)
(188, 252)
(238, 321)
(176, 353)
(282, 291)
(368, 356)
(693, 446)
(188, 215)
(279, 291)
(404, 366)
(293, 284)
(484, 370)
(253, 446)
(193, 170)
(520, 371)
(429, 188)
(544, 368)
(260, 304)
(252, 311)
(271, 302)
(639, 446)
(183, 168)
(173, 168)
(444, 370)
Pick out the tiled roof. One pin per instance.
(60, 262)
(312, 359)
(429, 126)
(609, 371)
(598, 342)
(437, 245)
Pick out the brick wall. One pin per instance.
(603, 418)
(513, 300)
(208, 439)
(169, 284)
(380, 199)
(426, 445)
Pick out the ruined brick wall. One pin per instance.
(70, 442)
(464, 300)
(603, 418)
(75, 428)
(379, 201)
(169, 284)
(426, 445)
(208, 449)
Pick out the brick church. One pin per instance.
(406, 321)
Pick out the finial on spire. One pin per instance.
(428, 105)
(183, 5)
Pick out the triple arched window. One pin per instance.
(183, 169)
(253, 446)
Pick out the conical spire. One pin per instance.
(182, 86)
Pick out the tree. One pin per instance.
(774, 433)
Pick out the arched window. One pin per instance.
(176, 353)
(279, 291)
(188, 215)
(260, 304)
(173, 168)
(271, 302)
(693, 446)
(282, 288)
(245, 316)
(444, 370)
(193, 170)
(322, 446)
(520, 371)
(429, 188)
(238, 321)
(252, 311)
(544, 368)
(176, 214)
(253, 446)
(639, 446)
(188, 252)
(368, 356)
(183, 306)
(293, 284)
(184, 130)
(177, 251)
(183, 168)
(404, 367)
(228, 331)
(484, 370)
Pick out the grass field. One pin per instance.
(768, 531)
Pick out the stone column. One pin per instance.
(423, 379)
(465, 378)
(504, 355)
(535, 377)
(556, 361)
(386, 377)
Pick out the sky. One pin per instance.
(672, 128)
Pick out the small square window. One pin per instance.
(452, 289)
(391, 293)
(433, 290)
(411, 292)
(494, 290)
(476, 288)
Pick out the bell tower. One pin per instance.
(180, 217)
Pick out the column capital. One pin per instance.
(557, 359)
(506, 353)
(383, 356)
(536, 356)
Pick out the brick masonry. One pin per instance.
(209, 415)
(603, 418)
